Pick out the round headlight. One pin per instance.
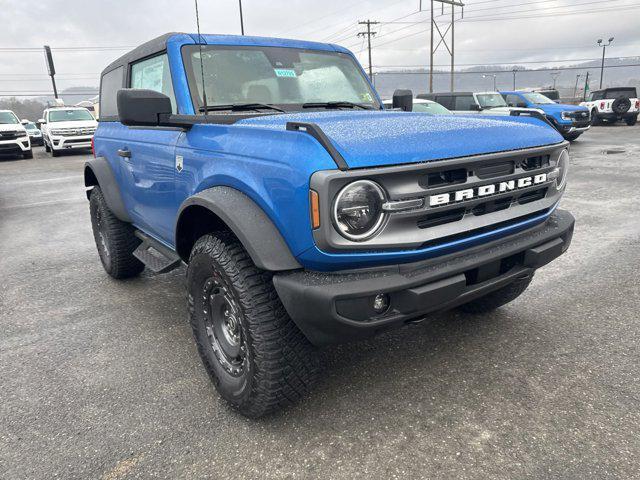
(357, 210)
(563, 169)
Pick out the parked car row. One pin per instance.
(61, 129)
(604, 106)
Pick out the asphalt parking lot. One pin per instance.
(101, 379)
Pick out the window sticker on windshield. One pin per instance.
(285, 72)
(366, 97)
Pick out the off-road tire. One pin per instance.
(572, 136)
(498, 298)
(28, 154)
(115, 239)
(594, 118)
(631, 121)
(279, 365)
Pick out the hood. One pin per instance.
(12, 127)
(560, 107)
(377, 138)
(74, 124)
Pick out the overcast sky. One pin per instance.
(553, 31)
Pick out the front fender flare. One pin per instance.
(98, 172)
(249, 223)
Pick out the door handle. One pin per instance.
(124, 153)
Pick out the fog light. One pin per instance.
(381, 303)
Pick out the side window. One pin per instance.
(153, 74)
(464, 102)
(109, 86)
(446, 101)
(514, 100)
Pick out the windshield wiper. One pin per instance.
(334, 105)
(240, 107)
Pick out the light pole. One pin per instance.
(494, 81)
(514, 78)
(241, 19)
(555, 76)
(575, 89)
(604, 49)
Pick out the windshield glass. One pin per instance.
(8, 117)
(434, 108)
(286, 77)
(69, 115)
(491, 100)
(537, 98)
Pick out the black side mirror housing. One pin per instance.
(142, 108)
(475, 107)
(521, 105)
(403, 99)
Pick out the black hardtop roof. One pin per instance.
(614, 88)
(153, 46)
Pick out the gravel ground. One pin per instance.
(101, 379)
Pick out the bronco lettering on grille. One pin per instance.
(486, 190)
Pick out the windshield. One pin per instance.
(8, 118)
(69, 115)
(286, 77)
(537, 98)
(434, 108)
(490, 100)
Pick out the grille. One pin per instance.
(11, 135)
(74, 132)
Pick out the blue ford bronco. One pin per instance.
(305, 213)
(570, 120)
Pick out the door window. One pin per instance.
(464, 102)
(109, 86)
(154, 74)
(446, 101)
(514, 100)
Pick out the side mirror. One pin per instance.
(41, 121)
(475, 107)
(142, 108)
(521, 105)
(24, 121)
(403, 99)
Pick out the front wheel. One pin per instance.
(55, 153)
(594, 118)
(572, 136)
(631, 121)
(498, 298)
(114, 238)
(257, 358)
(46, 147)
(28, 154)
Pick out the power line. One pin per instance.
(481, 72)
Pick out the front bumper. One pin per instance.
(338, 307)
(66, 143)
(36, 140)
(16, 146)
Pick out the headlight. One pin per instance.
(563, 168)
(566, 115)
(357, 210)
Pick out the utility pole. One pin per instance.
(443, 41)
(604, 49)
(369, 34)
(51, 69)
(586, 87)
(575, 89)
(515, 70)
(555, 76)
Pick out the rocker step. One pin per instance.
(155, 256)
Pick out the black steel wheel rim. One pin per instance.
(222, 324)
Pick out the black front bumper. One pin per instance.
(338, 307)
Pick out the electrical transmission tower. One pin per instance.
(369, 34)
(450, 27)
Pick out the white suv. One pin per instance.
(67, 128)
(13, 136)
(613, 104)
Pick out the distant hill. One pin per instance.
(470, 79)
